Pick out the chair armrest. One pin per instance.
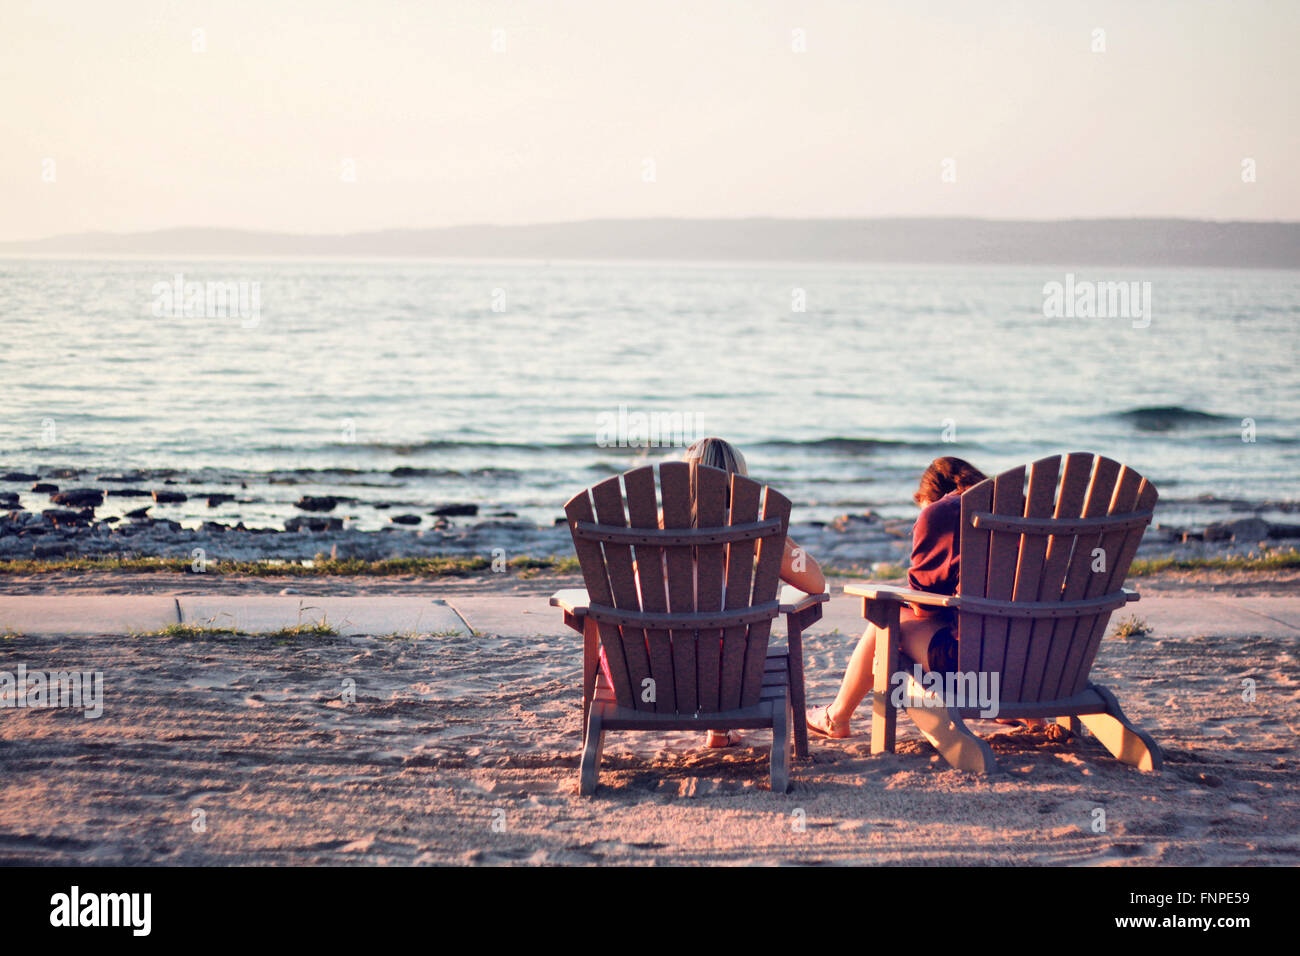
(572, 600)
(793, 600)
(1130, 596)
(888, 592)
(575, 600)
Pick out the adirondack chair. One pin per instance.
(1041, 573)
(684, 611)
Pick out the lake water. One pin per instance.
(428, 382)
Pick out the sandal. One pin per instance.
(821, 722)
(721, 738)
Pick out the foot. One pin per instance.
(1029, 723)
(722, 738)
(821, 722)
(1058, 733)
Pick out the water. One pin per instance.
(428, 382)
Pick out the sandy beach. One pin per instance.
(461, 748)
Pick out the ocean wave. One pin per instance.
(842, 444)
(1163, 418)
(448, 444)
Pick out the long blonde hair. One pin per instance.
(716, 453)
(712, 453)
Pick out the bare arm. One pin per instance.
(799, 568)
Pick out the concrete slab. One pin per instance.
(513, 616)
(89, 614)
(1182, 616)
(258, 614)
(525, 616)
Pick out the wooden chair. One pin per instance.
(1041, 572)
(684, 611)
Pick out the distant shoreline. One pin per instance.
(1124, 243)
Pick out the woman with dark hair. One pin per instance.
(927, 632)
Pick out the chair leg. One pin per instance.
(948, 733)
(781, 745)
(884, 716)
(950, 736)
(794, 666)
(590, 664)
(591, 751)
(1124, 739)
(1071, 724)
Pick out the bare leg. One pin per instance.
(858, 675)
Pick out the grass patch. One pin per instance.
(1132, 626)
(879, 571)
(198, 632)
(1278, 561)
(414, 634)
(314, 629)
(191, 632)
(434, 567)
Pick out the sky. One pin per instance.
(341, 116)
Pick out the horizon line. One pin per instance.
(1092, 220)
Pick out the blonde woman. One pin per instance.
(797, 567)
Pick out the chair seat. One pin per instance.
(776, 687)
(1088, 701)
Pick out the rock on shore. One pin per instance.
(851, 541)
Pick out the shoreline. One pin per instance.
(51, 578)
(855, 542)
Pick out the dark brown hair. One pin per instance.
(946, 475)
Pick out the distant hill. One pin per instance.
(1119, 242)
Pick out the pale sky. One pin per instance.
(254, 130)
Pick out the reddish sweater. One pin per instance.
(936, 551)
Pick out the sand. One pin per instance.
(463, 750)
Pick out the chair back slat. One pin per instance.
(710, 495)
(767, 578)
(1068, 581)
(1101, 550)
(595, 576)
(1039, 501)
(1069, 505)
(608, 499)
(1101, 489)
(973, 574)
(688, 613)
(1004, 548)
(745, 495)
(675, 488)
(1119, 548)
(643, 512)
